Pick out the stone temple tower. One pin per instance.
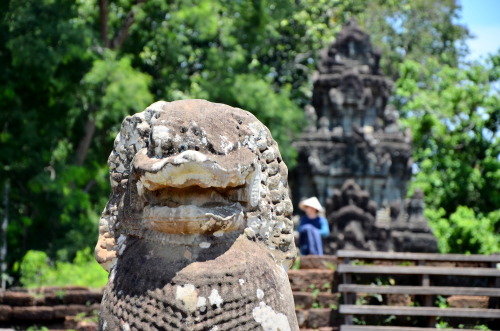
(353, 135)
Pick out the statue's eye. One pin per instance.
(195, 131)
(183, 148)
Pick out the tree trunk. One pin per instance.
(118, 40)
(83, 146)
(103, 22)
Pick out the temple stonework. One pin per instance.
(354, 153)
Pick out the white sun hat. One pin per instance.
(311, 202)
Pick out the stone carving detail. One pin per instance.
(359, 136)
(197, 233)
(354, 225)
(357, 224)
(411, 231)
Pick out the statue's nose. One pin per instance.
(189, 156)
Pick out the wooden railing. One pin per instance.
(423, 270)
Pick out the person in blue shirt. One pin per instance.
(312, 227)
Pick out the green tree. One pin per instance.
(62, 95)
(415, 30)
(454, 116)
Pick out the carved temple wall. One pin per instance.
(353, 136)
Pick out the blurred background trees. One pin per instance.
(71, 70)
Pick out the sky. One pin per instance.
(482, 17)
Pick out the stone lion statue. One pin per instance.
(197, 233)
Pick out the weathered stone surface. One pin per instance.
(399, 300)
(462, 301)
(32, 313)
(306, 300)
(303, 300)
(319, 317)
(18, 298)
(328, 300)
(302, 317)
(329, 262)
(5, 312)
(309, 280)
(52, 299)
(61, 311)
(73, 323)
(352, 132)
(192, 235)
(82, 297)
(61, 289)
(86, 326)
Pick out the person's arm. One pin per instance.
(324, 231)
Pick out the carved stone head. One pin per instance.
(196, 175)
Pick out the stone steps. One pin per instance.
(310, 280)
(54, 307)
(313, 287)
(304, 300)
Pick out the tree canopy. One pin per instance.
(71, 70)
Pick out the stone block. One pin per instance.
(319, 317)
(80, 325)
(328, 300)
(61, 311)
(82, 297)
(86, 326)
(95, 307)
(32, 313)
(303, 300)
(12, 298)
(54, 289)
(53, 299)
(328, 262)
(462, 301)
(302, 316)
(309, 280)
(70, 322)
(5, 313)
(399, 299)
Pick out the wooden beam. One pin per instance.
(420, 290)
(419, 311)
(418, 270)
(417, 256)
(391, 328)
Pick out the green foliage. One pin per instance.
(92, 317)
(106, 84)
(453, 114)
(36, 270)
(441, 302)
(37, 328)
(442, 325)
(464, 232)
(358, 321)
(415, 30)
(66, 81)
